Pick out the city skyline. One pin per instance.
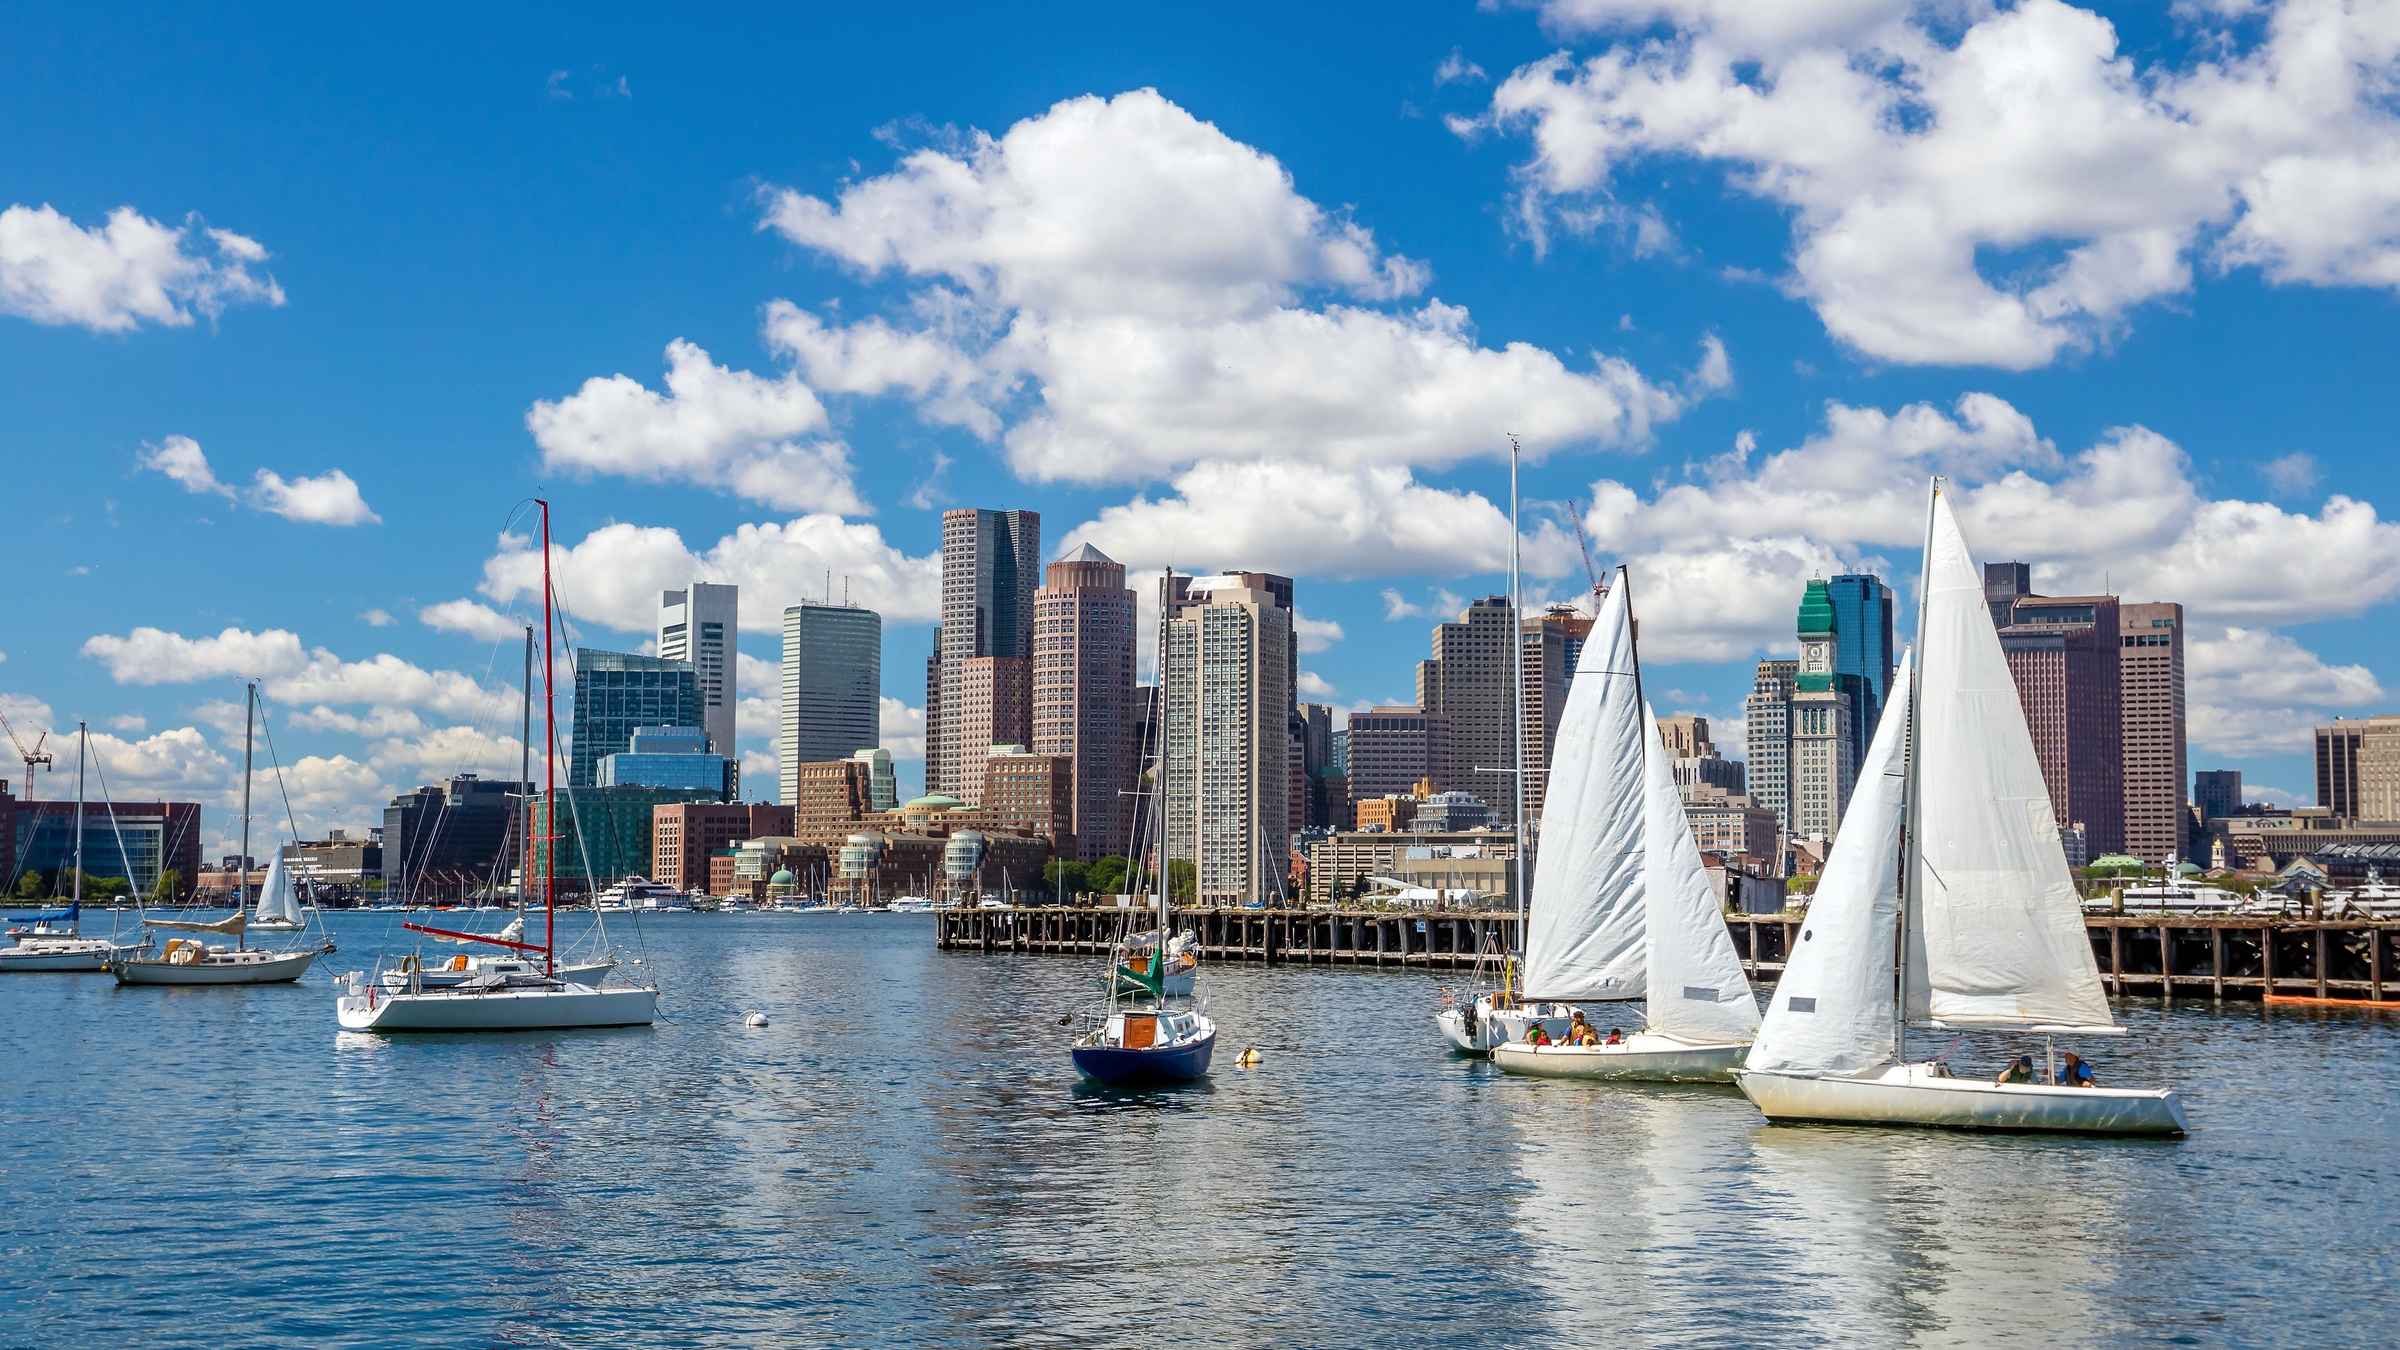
(1284, 352)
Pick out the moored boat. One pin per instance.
(41, 947)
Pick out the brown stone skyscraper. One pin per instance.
(1553, 644)
(1470, 681)
(2062, 649)
(2151, 694)
(991, 566)
(1083, 692)
(1228, 737)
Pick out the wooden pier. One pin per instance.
(2165, 956)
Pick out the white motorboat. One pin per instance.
(511, 993)
(2174, 895)
(2377, 899)
(195, 960)
(640, 895)
(911, 904)
(1947, 904)
(1622, 906)
(42, 946)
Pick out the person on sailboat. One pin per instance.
(1615, 1036)
(1579, 1031)
(2019, 1072)
(1537, 1036)
(2073, 1072)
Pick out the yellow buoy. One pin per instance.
(1248, 1059)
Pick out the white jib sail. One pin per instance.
(275, 904)
(1832, 1011)
(1585, 921)
(1993, 914)
(1698, 992)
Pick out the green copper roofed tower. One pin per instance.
(1816, 639)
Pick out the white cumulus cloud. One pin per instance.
(131, 270)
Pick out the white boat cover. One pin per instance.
(1698, 992)
(1832, 1011)
(1585, 922)
(1996, 935)
(275, 903)
(230, 925)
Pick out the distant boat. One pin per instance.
(640, 895)
(1946, 903)
(504, 996)
(277, 911)
(911, 904)
(1180, 966)
(44, 947)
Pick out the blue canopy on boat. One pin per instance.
(53, 916)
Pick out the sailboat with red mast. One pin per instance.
(506, 995)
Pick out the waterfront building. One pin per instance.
(618, 692)
(701, 624)
(1340, 863)
(446, 840)
(1448, 812)
(1393, 813)
(1862, 651)
(883, 787)
(339, 859)
(1032, 795)
(829, 797)
(2358, 767)
(2217, 793)
(670, 757)
(1229, 661)
(991, 567)
(1083, 694)
(1553, 646)
(1279, 592)
(2151, 696)
(685, 838)
(1390, 750)
(1824, 758)
(2064, 653)
(832, 696)
(608, 829)
(1732, 824)
(1470, 680)
(1767, 737)
(131, 841)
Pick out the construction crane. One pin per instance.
(37, 756)
(1583, 541)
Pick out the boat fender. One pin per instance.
(1249, 1057)
(408, 965)
(756, 1019)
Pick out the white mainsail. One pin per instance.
(1698, 992)
(1585, 923)
(1995, 929)
(275, 903)
(1832, 1011)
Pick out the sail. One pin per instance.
(1832, 1011)
(1584, 922)
(1996, 929)
(1697, 989)
(275, 904)
(231, 925)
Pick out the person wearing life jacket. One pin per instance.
(1535, 1035)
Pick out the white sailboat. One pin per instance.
(1946, 903)
(197, 961)
(505, 995)
(44, 947)
(1475, 1020)
(1623, 909)
(278, 911)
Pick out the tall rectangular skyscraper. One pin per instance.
(2063, 652)
(2150, 691)
(1862, 649)
(2217, 793)
(1228, 738)
(617, 692)
(832, 689)
(1083, 665)
(701, 624)
(1767, 737)
(1471, 680)
(991, 566)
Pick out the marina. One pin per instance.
(704, 1182)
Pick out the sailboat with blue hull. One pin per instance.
(43, 945)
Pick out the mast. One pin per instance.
(1910, 803)
(82, 740)
(1158, 807)
(525, 770)
(241, 885)
(1516, 665)
(549, 768)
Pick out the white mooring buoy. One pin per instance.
(755, 1020)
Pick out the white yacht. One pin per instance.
(911, 904)
(639, 895)
(2172, 895)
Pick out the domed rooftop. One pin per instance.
(932, 801)
(783, 877)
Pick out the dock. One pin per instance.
(2213, 956)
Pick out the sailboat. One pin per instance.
(195, 960)
(278, 911)
(1477, 1020)
(1622, 906)
(1947, 904)
(505, 996)
(1129, 1045)
(46, 948)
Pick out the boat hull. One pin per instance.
(277, 968)
(567, 1007)
(1914, 1094)
(92, 961)
(1642, 1057)
(1112, 1066)
(1490, 1029)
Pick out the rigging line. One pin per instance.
(123, 857)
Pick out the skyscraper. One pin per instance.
(1553, 644)
(883, 790)
(2358, 767)
(1767, 737)
(2150, 693)
(1083, 664)
(2217, 792)
(2063, 651)
(832, 688)
(1228, 735)
(991, 566)
(1862, 650)
(1389, 749)
(616, 692)
(701, 624)
(991, 704)
(1471, 681)
(1824, 756)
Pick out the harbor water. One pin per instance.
(903, 1155)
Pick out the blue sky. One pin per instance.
(1230, 288)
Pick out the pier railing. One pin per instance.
(2169, 956)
